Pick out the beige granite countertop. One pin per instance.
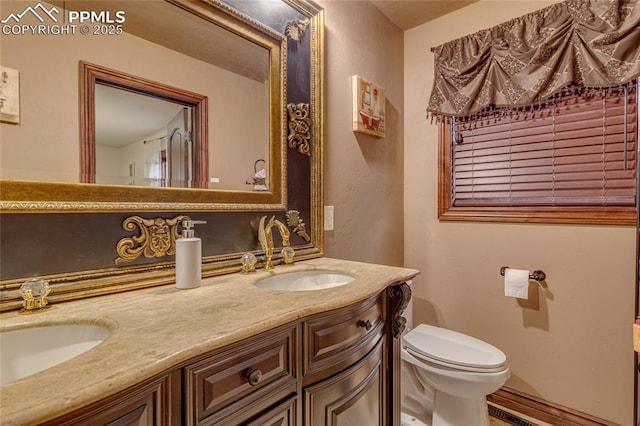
(156, 329)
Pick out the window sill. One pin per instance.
(576, 215)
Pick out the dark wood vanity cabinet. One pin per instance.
(336, 367)
(328, 365)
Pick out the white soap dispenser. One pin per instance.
(189, 257)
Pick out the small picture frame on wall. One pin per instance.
(9, 95)
(368, 107)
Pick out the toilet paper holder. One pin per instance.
(537, 275)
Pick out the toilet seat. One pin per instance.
(425, 360)
(453, 350)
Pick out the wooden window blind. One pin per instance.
(575, 154)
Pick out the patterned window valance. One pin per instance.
(587, 43)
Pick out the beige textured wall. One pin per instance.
(363, 174)
(574, 346)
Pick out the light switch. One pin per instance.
(328, 218)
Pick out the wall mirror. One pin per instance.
(175, 111)
(64, 220)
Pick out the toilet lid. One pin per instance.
(453, 348)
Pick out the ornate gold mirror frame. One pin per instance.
(133, 240)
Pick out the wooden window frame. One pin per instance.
(587, 215)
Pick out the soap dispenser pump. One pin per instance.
(189, 257)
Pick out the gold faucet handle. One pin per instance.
(287, 255)
(248, 261)
(35, 292)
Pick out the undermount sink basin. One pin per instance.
(305, 281)
(28, 351)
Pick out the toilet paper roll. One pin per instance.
(516, 283)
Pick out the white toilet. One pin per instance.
(461, 370)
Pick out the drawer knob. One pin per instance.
(254, 376)
(365, 324)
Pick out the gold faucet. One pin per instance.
(265, 237)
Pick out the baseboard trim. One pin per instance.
(545, 411)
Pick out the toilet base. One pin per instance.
(407, 419)
(449, 410)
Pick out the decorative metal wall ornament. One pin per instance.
(299, 127)
(295, 29)
(157, 238)
(297, 225)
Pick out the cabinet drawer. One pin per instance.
(336, 339)
(241, 376)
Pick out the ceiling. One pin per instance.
(124, 117)
(407, 14)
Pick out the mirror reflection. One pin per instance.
(139, 140)
(142, 140)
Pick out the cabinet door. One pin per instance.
(285, 414)
(354, 397)
(146, 405)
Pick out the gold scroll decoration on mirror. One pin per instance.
(232, 208)
(299, 127)
(297, 225)
(156, 238)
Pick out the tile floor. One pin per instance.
(503, 417)
(520, 420)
